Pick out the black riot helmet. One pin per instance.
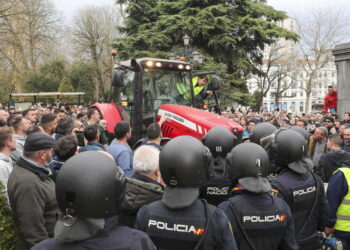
(183, 164)
(301, 131)
(250, 164)
(288, 148)
(261, 130)
(220, 141)
(89, 185)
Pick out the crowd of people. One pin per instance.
(71, 184)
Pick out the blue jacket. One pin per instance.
(122, 155)
(336, 190)
(92, 146)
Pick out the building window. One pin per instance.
(301, 106)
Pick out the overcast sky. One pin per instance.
(293, 7)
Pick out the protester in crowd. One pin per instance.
(317, 144)
(93, 117)
(120, 149)
(49, 123)
(329, 124)
(21, 126)
(7, 145)
(346, 138)
(30, 115)
(34, 129)
(248, 130)
(3, 117)
(145, 185)
(333, 159)
(32, 191)
(330, 101)
(346, 117)
(92, 135)
(59, 113)
(65, 126)
(66, 147)
(302, 123)
(110, 136)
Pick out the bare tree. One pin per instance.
(93, 30)
(320, 31)
(278, 68)
(28, 30)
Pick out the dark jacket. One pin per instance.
(112, 237)
(103, 137)
(92, 146)
(139, 191)
(55, 166)
(33, 202)
(330, 162)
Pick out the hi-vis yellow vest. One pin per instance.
(343, 212)
(185, 91)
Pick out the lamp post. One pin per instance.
(186, 39)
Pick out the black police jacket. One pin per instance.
(305, 195)
(260, 221)
(218, 188)
(183, 228)
(112, 237)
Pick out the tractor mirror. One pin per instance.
(118, 77)
(215, 83)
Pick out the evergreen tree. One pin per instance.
(65, 85)
(231, 32)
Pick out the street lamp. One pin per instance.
(197, 57)
(186, 39)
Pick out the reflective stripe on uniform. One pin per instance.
(343, 213)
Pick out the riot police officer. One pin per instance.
(259, 220)
(88, 196)
(220, 142)
(299, 187)
(180, 220)
(261, 130)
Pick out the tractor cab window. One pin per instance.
(164, 87)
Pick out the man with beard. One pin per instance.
(49, 123)
(346, 137)
(32, 191)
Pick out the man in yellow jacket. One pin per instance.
(338, 196)
(198, 88)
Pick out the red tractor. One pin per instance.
(147, 88)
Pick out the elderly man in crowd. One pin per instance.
(317, 144)
(32, 191)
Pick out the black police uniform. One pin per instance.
(184, 228)
(217, 189)
(305, 195)
(267, 221)
(219, 140)
(112, 237)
